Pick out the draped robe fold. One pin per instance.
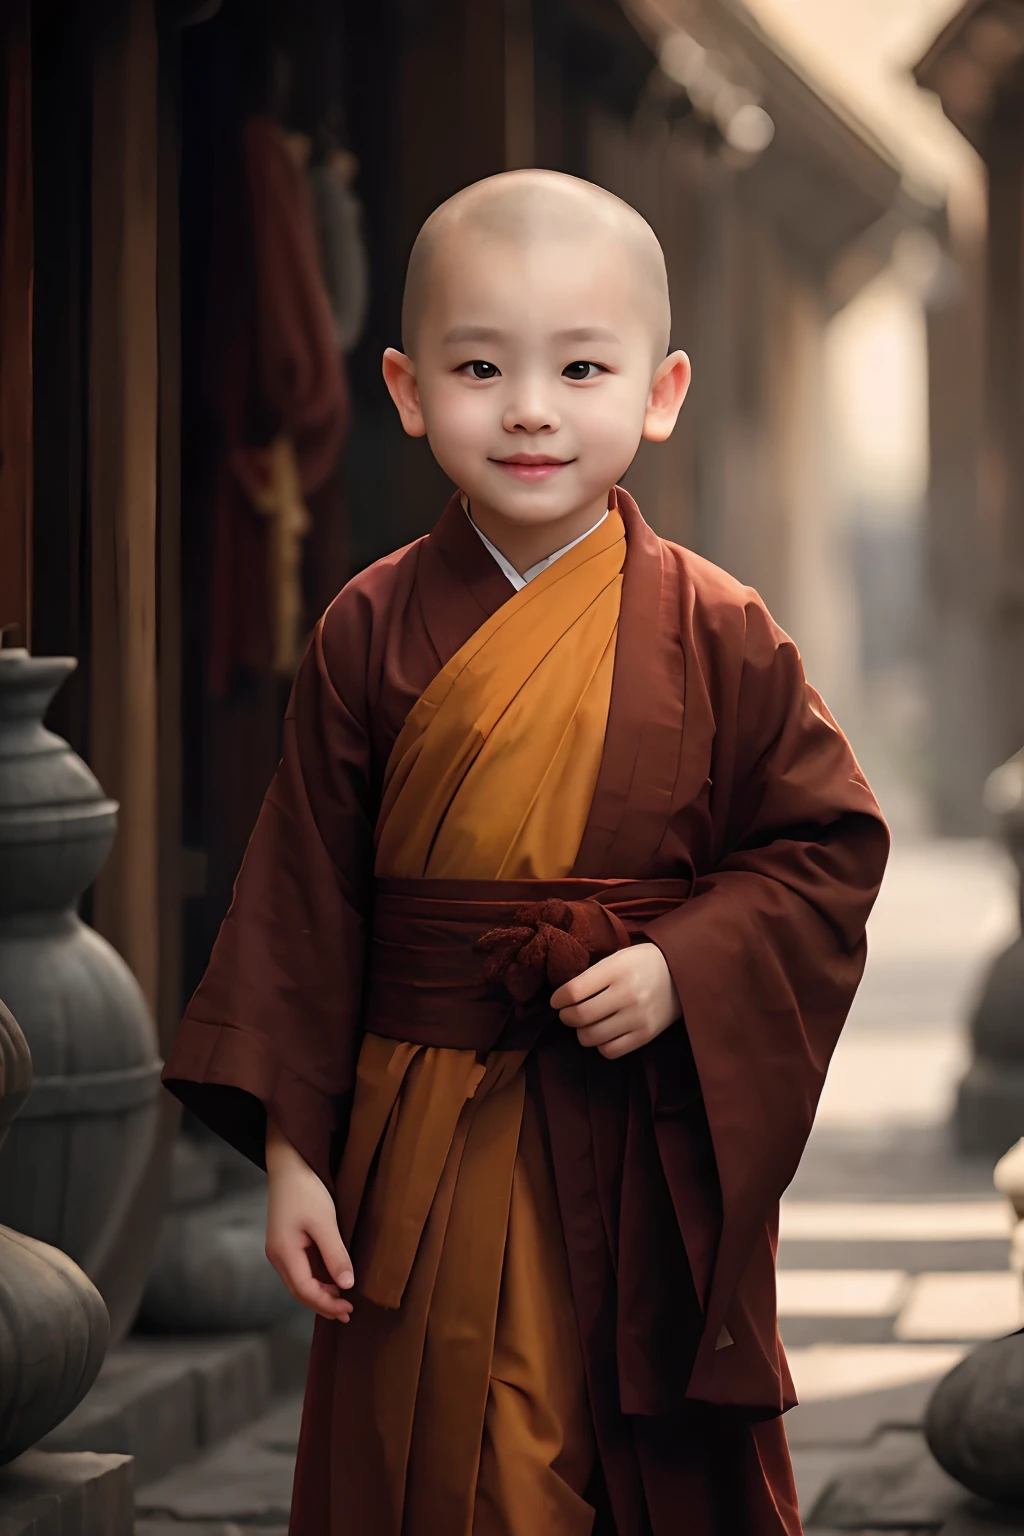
(518, 1269)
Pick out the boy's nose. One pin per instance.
(530, 413)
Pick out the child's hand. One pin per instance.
(303, 1241)
(622, 1002)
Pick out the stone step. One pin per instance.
(47, 1494)
(164, 1401)
(985, 1520)
(243, 1485)
(203, 1528)
(892, 1485)
(914, 1256)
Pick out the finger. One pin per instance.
(333, 1311)
(293, 1267)
(593, 1009)
(332, 1251)
(623, 1045)
(605, 1031)
(321, 1298)
(594, 979)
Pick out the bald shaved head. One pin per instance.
(535, 327)
(533, 206)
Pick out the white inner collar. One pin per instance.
(520, 580)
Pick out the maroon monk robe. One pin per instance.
(723, 772)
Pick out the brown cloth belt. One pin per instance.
(630, 1147)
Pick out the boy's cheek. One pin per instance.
(460, 425)
(607, 441)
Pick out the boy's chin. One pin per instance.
(528, 505)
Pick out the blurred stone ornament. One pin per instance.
(70, 1165)
(975, 1421)
(211, 1273)
(1009, 1180)
(53, 1324)
(990, 1102)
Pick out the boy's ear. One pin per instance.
(668, 391)
(400, 378)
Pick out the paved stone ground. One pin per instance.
(893, 1252)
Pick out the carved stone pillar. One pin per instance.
(69, 1168)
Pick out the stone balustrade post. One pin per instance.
(990, 1102)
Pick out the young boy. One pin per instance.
(543, 940)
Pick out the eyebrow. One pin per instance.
(460, 333)
(463, 333)
(587, 333)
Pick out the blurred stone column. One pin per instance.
(974, 67)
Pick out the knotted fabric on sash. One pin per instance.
(547, 944)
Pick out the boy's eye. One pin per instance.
(582, 371)
(478, 369)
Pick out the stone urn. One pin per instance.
(70, 1166)
(53, 1324)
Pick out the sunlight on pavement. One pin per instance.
(824, 1371)
(941, 1221)
(943, 898)
(962, 1306)
(909, 1081)
(842, 1292)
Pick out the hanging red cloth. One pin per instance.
(280, 398)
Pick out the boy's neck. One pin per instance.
(524, 544)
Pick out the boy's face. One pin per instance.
(533, 373)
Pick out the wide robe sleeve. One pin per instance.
(766, 955)
(272, 1028)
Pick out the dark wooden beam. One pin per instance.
(61, 110)
(15, 323)
(133, 452)
(169, 596)
(124, 404)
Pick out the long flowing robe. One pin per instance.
(565, 1309)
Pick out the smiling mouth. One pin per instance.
(531, 466)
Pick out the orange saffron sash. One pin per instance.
(493, 773)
